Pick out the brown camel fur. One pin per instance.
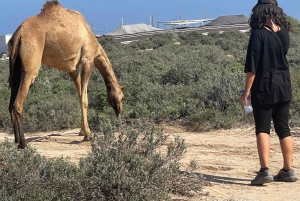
(62, 39)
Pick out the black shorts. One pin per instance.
(279, 112)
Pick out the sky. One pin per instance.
(106, 16)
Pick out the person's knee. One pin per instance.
(265, 131)
(283, 133)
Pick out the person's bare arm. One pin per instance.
(248, 84)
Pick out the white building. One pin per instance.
(3, 43)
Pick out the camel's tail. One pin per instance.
(14, 59)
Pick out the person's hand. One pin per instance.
(244, 97)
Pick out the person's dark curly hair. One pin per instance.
(261, 12)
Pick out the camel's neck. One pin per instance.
(110, 79)
(104, 66)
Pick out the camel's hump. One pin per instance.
(50, 5)
(54, 8)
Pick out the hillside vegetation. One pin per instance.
(186, 79)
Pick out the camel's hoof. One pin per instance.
(21, 146)
(87, 138)
(81, 133)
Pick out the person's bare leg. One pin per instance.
(287, 150)
(263, 148)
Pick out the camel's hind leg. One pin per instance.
(24, 73)
(15, 83)
(18, 95)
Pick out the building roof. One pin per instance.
(229, 20)
(131, 29)
(185, 22)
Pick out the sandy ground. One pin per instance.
(227, 158)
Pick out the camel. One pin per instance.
(60, 38)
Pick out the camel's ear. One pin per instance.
(123, 87)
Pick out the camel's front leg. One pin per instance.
(87, 66)
(75, 76)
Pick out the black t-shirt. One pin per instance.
(266, 58)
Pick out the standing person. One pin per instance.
(268, 80)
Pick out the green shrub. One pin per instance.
(127, 162)
(160, 40)
(142, 44)
(26, 175)
(4, 115)
(4, 96)
(109, 43)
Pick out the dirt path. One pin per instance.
(227, 158)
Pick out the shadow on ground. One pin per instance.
(225, 180)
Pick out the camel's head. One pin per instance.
(115, 97)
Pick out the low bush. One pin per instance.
(26, 175)
(128, 162)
